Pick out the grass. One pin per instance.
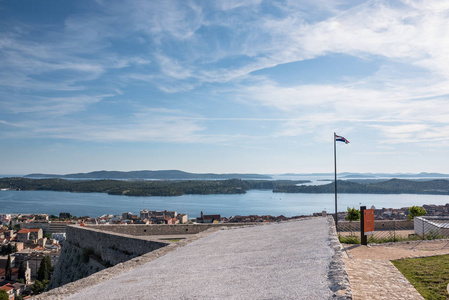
(175, 240)
(372, 239)
(429, 275)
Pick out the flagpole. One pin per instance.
(335, 180)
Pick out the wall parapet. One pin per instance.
(112, 248)
(162, 229)
(89, 250)
(379, 225)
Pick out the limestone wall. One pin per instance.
(89, 250)
(160, 229)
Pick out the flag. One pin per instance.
(341, 139)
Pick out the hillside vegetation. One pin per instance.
(142, 188)
(393, 186)
(230, 186)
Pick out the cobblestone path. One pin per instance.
(373, 276)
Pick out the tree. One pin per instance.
(38, 287)
(8, 269)
(22, 271)
(3, 295)
(353, 214)
(45, 269)
(416, 211)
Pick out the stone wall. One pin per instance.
(79, 275)
(161, 229)
(88, 250)
(379, 225)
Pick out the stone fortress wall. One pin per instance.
(93, 248)
(161, 229)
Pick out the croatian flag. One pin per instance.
(341, 139)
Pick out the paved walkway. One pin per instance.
(373, 276)
(288, 260)
(378, 279)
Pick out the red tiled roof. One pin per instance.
(7, 287)
(15, 271)
(26, 230)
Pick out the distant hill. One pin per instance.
(392, 186)
(348, 175)
(140, 175)
(393, 175)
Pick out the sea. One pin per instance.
(254, 202)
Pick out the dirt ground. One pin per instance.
(373, 276)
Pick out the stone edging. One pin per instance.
(337, 277)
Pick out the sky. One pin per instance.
(248, 86)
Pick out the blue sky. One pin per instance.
(224, 86)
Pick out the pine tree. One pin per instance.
(8, 269)
(42, 273)
(38, 287)
(9, 249)
(45, 269)
(22, 271)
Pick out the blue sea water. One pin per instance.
(260, 202)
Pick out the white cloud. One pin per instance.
(181, 38)
(44, 107)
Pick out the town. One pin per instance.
(401, 213)
(31, 243)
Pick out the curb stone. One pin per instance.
(337, 277)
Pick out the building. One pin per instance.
(144, 214)
(58, 227)
(44, 225)
(127, 215)
(34, 258)
(5, 219)
(29, 235)
(48, 226)
(182, 218)
(9, 288)
(19, 288)
(208, 218)
(60, 237)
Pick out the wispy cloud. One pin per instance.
(182, 46)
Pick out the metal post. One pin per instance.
(394, 231)
(363, 237)
(335, 180)
(422, 222)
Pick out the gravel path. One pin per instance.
(373, 276)
(279, 261)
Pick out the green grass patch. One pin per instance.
(349, 239)
(373, 239)
(173, 239)
(429, 275)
